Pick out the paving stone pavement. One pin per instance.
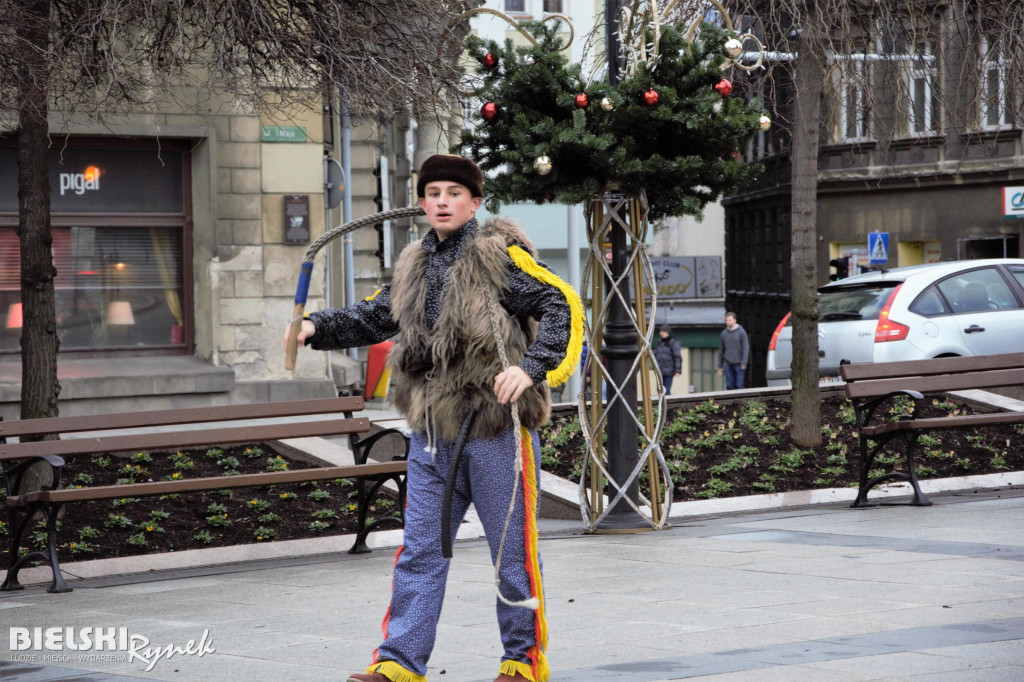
(830, 593)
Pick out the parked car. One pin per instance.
(914, 313)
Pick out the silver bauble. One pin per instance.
(607, 104)
(542, 164)
(765, 122)
(733, 48)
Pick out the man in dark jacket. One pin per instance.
(667, 352)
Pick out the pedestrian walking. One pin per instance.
(668, 354)
(480, 325)
(733, 352)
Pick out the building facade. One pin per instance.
(921, 141)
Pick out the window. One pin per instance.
(996, 96)
(515, 6)
(930, 303)
(115, 287)
(120, 226)
(978, 290)
(552, 6)
(852, 88)
(922, 77)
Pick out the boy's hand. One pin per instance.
(511, 383)
(307, 330)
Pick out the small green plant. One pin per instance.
(137, 540)
(385, 503)
(319, 495)
(732, 464)
(788, 462)
(228, 462)
(715, 488)
(88, 533)
(102, 461)
(203, 536)
(3, 528)
(214, 453)
(174, 476)
(289, 496)
(926, 440)
(182, 462)
(925, 470)
(276, 463)
(548, 456)
(318, 526)
(770, 440)
(325, 514)
(80, 547)
(124, 501)
(151, 527)
(999, 461)
(218, 520)
(258, 505)
(142, 458)
(264, 534)
(765, 482)
(847, 414)
(130, 471)
(117, 521)
(216, 508)
(709, 406)
(82, 479)
(159, 515)
(253, 452)
(747, 451)
(962, 463)
(269, 517)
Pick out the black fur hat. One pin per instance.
(452, 168)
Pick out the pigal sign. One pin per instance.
(1013, 202)
(80, 183)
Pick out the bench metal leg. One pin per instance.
(50, 511)
(363, 529)
(867, 459)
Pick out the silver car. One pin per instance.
(914, 313)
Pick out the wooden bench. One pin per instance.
(873, 385)
(132, 432)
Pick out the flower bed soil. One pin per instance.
(744, 448)
(169, 523)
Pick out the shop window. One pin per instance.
(116, 287)
(518, 6)
(120, 229)
(553, 6)
(704, 371)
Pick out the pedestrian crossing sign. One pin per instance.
(878, 248)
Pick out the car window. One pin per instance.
(1018, 273)
(853, 303)
(929, 303)
(977, 291)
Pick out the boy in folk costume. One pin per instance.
(479, 325)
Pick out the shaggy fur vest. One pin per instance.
(437, 375)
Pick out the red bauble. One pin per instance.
(489, 112)
(724, 87)
(582, 101)
(489, 61)
(736, 154)
(651, 97)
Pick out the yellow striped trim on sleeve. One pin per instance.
(373, 295)
(525, 262)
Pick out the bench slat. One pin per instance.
(189, 415)
(183, 439)
(107, 492)
(883, 370)
(934, 383)
(946, 422)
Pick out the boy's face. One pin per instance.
(448, 206)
